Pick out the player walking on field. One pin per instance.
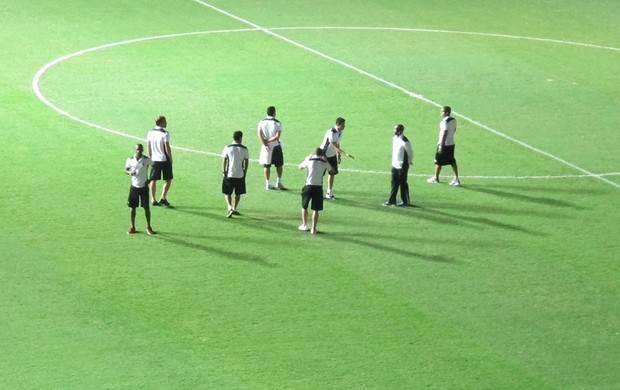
(332, 150)
(158, 143)
(445, 147)
(235, 158)
(269, 130)
(137, 167)
(312, 192)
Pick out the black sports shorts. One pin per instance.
(446, 157)
(161, 169)
(138, 196)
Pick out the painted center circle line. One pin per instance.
(39, 74)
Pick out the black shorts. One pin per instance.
(314, 194)
(161, 169)
(138, 196)
(333, 161)
(446, 157)
(277, 157)
(236, 184)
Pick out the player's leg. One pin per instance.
(132, 217)
(164, 190)
(315, 221)
(153, 189)
(267, 173)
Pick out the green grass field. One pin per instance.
(508, 282)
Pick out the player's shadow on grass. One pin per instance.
(367, 203)
(499, 209)
(191, 242)
(198, 211)
(548, 201)
(397, 249)
(571, 190)
(432, 214)
(452, 218)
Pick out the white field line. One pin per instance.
(372, 172)
(37, 78)
(40, 72)
(407, 92)
(424, 30)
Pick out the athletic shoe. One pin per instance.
(330, 195)
(131, 230)
(455, 182)
(314, 231)
(403, 204)
(268, 186)
(164, 202)
(388, 203)
(235, 212)
(303, 228)
(432, 180)
(150, 231)
(230, 213)
(155, 203)
(280, 186)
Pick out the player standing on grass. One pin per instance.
(137, 167)
(235, 158)
(332, 150)
(269, 130)
(158, 143)
(402, 158)
(316, 164)
(445, 147)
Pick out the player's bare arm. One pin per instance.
(340, 151)
(168, 150)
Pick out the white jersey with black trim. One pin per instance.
(402, 152)
(236, 154)
(139, 168)
(316, 166)
(332, 135)
(270, 126)
(157, 137)
(447, 124)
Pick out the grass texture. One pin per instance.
(508, 282)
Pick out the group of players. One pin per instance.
(235, 161)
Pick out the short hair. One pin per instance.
(339, 121)
(238, 135)
(399, 128)
(447, 109)
(160, 119)
(271, 111)
(319, 152)
(140, 147)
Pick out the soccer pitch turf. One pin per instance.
(509, 281)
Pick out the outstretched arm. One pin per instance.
(336, 146)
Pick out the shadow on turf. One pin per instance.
(452, 218)
(548, 201)
(200, 212)
(396, 249)
(432, 214)
(176, 239)
(275, 225)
